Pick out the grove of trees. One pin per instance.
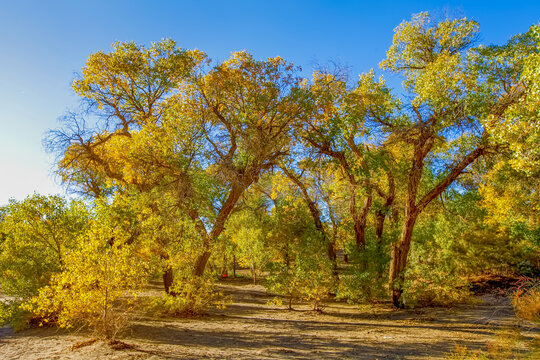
(186, 169)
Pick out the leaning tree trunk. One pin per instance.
(316, 216)
(210, 239)
(400, 250)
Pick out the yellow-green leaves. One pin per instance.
(429, 55)
(513, 71)
(421, 42)
(130, 82)
(35, 236)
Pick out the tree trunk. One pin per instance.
(359, 219)
(168, 279)
(168, 275)
(234, 266)
(400, 251)
(200, 264)
(254, 273)
(360, 223)
(388, 201)
(315, 214)
(379, 227)
(209, 239)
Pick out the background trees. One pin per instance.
(35, 236)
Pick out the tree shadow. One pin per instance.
(292, 345)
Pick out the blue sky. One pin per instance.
(43, 44)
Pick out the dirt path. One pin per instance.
(251, 329)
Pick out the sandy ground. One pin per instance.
(251, 329)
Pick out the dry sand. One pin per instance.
(251, 329)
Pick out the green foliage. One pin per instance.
(304, 271)
(13, 315)
(439, 261)
(308, 278)
(36, 234)
(247, 233)
(365, 278)
(190, 297)
(185, 170)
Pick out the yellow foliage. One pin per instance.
(97, 286)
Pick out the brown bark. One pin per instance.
(359, 219)
(399, 259)
(389, 200)
(168, 276)
(168, 280)
(209, 239)
(401, 249)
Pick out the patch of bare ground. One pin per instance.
(249, 328)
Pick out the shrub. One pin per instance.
(35, 236)
(527, 305)
(190, 297)
(97, 287)
(309, 277)
(366, 278)
(436, 275)
(12, 314)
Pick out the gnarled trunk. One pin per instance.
(413, 208)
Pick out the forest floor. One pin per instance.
(249, 328)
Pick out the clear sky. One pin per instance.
(43, 44)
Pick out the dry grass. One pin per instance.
(527, 305)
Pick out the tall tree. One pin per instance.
(169, 121)
(454, 92)
(337, 127)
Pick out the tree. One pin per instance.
(171, 125)
(35, 236)
(337, 127)
(303, 269)
(314, 210)
(454, 93)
